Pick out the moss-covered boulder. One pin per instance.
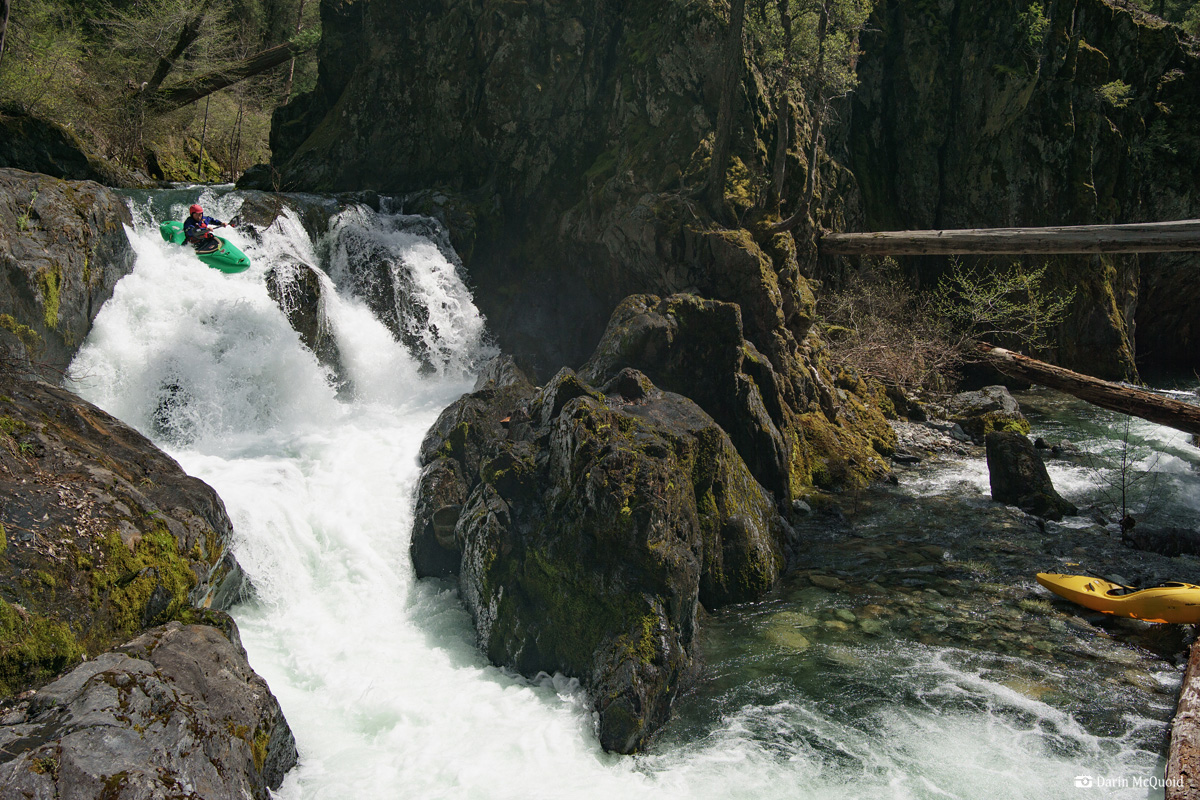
(696, 347)
(1019, 478)
(177, 712)
(33, 144)
(62, 250)
(586, 526)
(985, 410)
(101, 534)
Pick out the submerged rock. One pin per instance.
(587, 528)
(1019, 478)
(177, 712)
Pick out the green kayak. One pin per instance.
(226, 258)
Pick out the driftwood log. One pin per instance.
(1183, 756)
(1113, 396)
(1150, 237)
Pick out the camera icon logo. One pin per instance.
(1084, 781)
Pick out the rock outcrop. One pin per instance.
(586, 527)
(794, 429)
(1018, 477)
(297, 289)
(977, 114)
(177, 712)
(101, 534)
(32, 144)
(984, 410)
(62, 250)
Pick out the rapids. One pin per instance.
(876, 670)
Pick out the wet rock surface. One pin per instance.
(177, 712)
(1018, 477)
(103, 535)
(586, 528)
(296, 288)
(62, 250)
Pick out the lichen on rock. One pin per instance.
(588, 526)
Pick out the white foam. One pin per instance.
(378, 674)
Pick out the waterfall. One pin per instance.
(378, 674)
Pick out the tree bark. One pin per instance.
(783, 121)
(822, 105)
(3, 26)
(189, 34)
(731, 66)
(1183, 755)
(1151, 237)
(200, 86)
(1113, 396)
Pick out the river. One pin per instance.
(910, 655)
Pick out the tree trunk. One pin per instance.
(1113, 396)
(203, 134)
(731, 66)
(200, 86)
(783, 115)
(3, 26)
(1151, 237)
(189, 34)
(1183, 755)
(818, 123)
(287, 92)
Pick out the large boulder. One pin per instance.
(1019, 478)
(33, 144)
(586, 527)
(62, 250)
(177, 712)
(300, 294)
(102, 535)
(982, 411)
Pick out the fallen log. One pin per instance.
(1149, 237)
(1183, 755)
(1113, 396)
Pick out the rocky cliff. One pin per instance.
(62, 250)
(979, 113)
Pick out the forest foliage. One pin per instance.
(87, 64)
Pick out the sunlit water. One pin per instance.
(879, 669)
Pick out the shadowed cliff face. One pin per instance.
(562, 129)
(979, 113)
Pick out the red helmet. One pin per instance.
(195, 209)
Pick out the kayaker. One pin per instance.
(196, 232)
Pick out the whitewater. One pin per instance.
(378, 673)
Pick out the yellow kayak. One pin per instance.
(1171, 602)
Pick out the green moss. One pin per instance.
(13, 427)
(455, 445)
(259, 748)
(50, 283)
(30, 339)
(3, 538)
(127, 580)
(33, 648)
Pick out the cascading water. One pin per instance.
(806, 694)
